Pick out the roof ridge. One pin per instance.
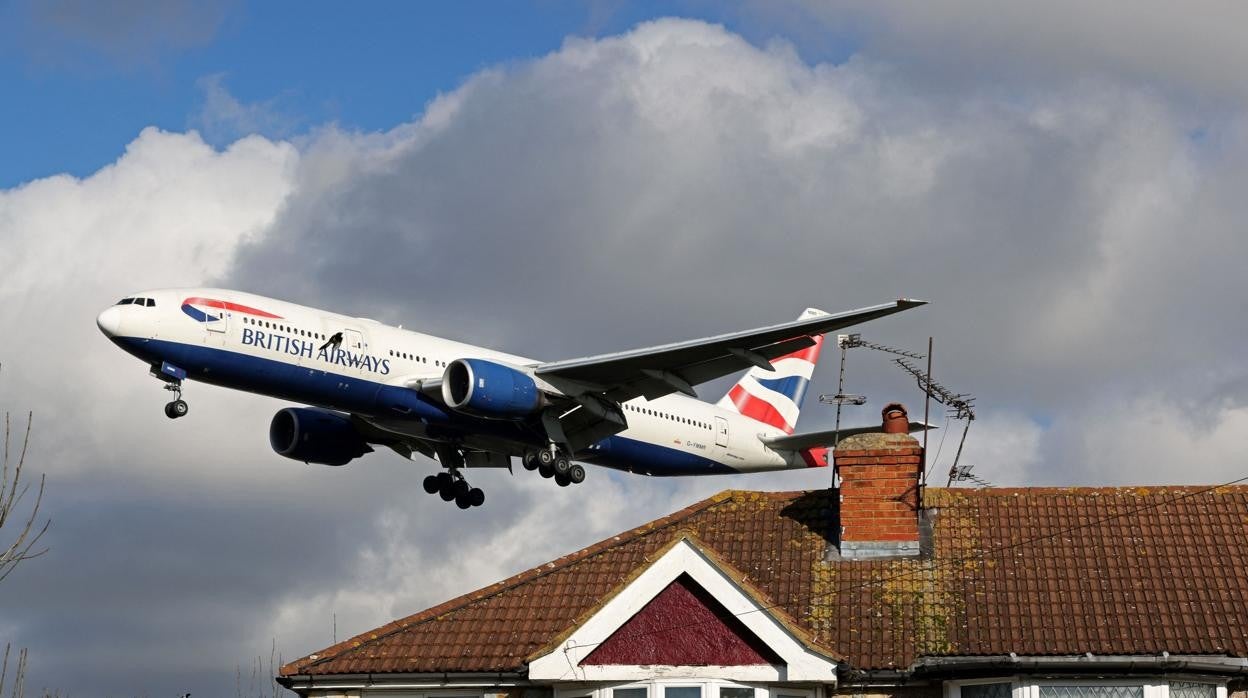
(523, 577)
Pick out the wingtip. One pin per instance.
(910, 302)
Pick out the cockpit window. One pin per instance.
(151, 302)
(125, 301)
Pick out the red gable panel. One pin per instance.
(683, 626)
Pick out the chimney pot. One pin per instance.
(896, 421)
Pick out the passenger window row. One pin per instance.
(412, 357)
(664, 415)
(282, 328)
(145, 302)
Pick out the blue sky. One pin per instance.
(75, 94)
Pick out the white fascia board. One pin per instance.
(800, 664)
(768, 673)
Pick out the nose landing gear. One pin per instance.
(178, 407)
(173, 377)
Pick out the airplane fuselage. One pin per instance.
(271, 347)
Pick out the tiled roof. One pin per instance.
(1032, 571)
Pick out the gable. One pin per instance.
(684, 625)
(684, 597)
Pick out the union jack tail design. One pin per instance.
(775, 397)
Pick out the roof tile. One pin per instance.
(1029, 570)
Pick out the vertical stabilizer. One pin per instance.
(775, 397)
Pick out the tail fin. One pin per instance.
(775, 397)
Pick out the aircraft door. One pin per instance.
(353, 341)
(721, 432)
(221, 323)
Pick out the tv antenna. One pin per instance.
(841, 398)
(962, 473)
(960, 406)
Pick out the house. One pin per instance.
(880, 587)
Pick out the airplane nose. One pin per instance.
(109, 321)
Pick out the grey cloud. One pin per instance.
(1192, 50)
(678, 181)
(130, 33)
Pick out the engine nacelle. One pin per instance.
(316, 436)
(490, 389)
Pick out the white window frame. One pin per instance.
(777, 691)
(655, 688)
(422, 693)
(953, 689)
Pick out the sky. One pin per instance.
(1063, 181)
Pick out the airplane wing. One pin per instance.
(598, 384)
(815, 439)
(658, 371)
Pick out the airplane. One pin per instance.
(368, 384)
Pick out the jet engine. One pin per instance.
(316, 436)
(490, 389)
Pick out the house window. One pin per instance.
(1090, 691)
(1077, 688)
(735, 692)
(1186, 689)
(639, 692)
(682, 692)
(986, 690)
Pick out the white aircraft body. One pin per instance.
(371, 384)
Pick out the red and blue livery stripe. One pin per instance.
(191, 306)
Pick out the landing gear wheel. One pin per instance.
(461, 489)
(462, 501)
(431, 484)
(529, 461)
(446, 486)
(562, 479)
(562, 465)
(177, 408)
(545, 457)
(576, 473)
(476, 497)
(546, 470)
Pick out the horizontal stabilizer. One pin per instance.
(816, 439)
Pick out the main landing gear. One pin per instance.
(549, 462)
(177, 408)
(450, 485)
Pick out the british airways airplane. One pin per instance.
(370, 384)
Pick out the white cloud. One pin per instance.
(223, 117)
(1153, 439)
(169, 212)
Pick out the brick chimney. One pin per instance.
(879, 492)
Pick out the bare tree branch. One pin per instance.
(12, 492)
(19, 673)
